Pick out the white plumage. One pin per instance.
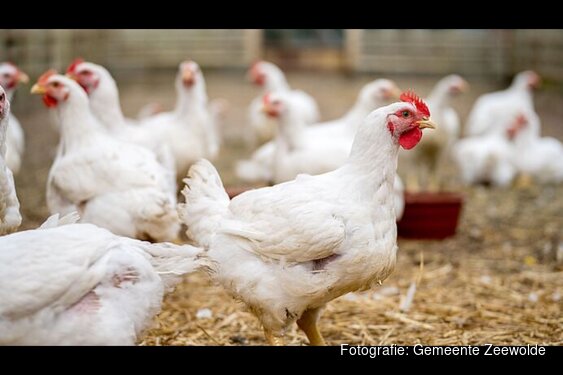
(114, 184)
(10, 217)
(425, 162)
(485, 159)
(271, 78)
(338, 133)
(10, 77)
(539, 157)
(484, 116)
(191, 130)
(288, 249)
(105, 105)
(79, 284)
(295, 153)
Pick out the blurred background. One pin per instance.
(493, 54)
(498, 280)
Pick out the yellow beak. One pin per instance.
(71, 76)
(426, 123)
(22, 77)
(38, 89)
(396, 94)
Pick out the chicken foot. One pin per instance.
(273, 339)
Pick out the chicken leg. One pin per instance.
(308, 323)
(273, 339)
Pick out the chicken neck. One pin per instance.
(106, 106)
(190, 101)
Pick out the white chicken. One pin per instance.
(10, 217)
(271, 78)
(484, 116)
(190, 130)
(289, 249)
(114, 184)
(539, 157)
(79, 284)
(259, 168)
(489, 158)
(439, 101)
(105, 105)
(10, 77)
(425, 162)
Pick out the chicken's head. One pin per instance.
(85, 73)
(54, 87)
(256, 73)
(4, 104)
(11, 76)
(274, 105)
(527, 79)
(408, 119)
(456, 85)
(189, 73)
(516, 126)
(267, 75)
(377, 93)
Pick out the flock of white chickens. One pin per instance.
(96, 271)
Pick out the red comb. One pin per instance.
(45, 76)
(410, 97)
(72, 67)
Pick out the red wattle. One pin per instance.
(410, 138)
(49, 101)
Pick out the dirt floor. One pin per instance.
(499, 280)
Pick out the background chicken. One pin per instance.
(114, 184)
(539, 157)
(341, 132)
(485, 114)
(271, 78)
(79, 284)
(423, 165)
(10, 217)
(190, 130)
(289, 249)
(489, 158)
(10, 78)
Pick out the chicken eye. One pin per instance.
(6, 75)
(406, 114)
(55, 84)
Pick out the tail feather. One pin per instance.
(207, 202)
(172, 261)
(55, 220)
